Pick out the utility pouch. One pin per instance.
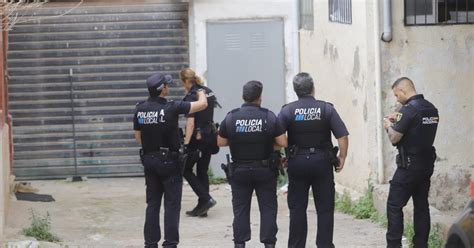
(402, 159)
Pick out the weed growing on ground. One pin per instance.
(364, 208)
(213, 179)
(40, 228)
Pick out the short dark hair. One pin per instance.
(303, 84)
(252, 90)
(154, 92)
(398, 81)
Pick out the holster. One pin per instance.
(181, 163)
(228, 168)
(275, 163)
(291, 151)
(333, 159)
(402, 159)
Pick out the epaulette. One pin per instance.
(233, 110)
(138, 103)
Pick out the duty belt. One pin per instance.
(163, 153)
(252, 163)
(309, 150)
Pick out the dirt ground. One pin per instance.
(110, 213)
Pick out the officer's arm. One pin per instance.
(200, 104)
(189, 130)
(393, 135)
(281, 141)
(222, 141)
(343, 143)
(138, 136)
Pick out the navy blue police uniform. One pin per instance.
(417, 120)
(251, 131)
(157, 119)
(202, 148)
(309, 123)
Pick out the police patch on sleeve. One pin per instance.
(398, 116)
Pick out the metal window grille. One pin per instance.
(306, 15)
(340, 11)
(439, 12)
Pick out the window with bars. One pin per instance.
(306, 15)
(340, 11)
(438, 12)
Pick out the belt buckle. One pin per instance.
(164, 152)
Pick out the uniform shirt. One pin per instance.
(273, 127)
(206, 116)
(307, 108)
(419, 126)
(157, 119)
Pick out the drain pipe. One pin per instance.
(378, 94)
(387, 21)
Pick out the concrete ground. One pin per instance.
(110, 213)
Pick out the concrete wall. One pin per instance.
(202, 11)
(336, 55)
(440, 60)
(4, 176)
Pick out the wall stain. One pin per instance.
(354, 102)
(356, 69)
(325, 48)
(365, 111)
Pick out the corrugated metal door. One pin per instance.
(111, 50)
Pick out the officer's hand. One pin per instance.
(387, 123)
(342, 160)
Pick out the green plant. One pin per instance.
(40, 228)
(343, 202)
(213, 179)
(409, 233)
(364, 208)
(435, 239)
(282, 180)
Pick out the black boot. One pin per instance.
(205, 207)
(239, 245)
(193, 213)
(269, 245)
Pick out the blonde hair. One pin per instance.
(190, 75)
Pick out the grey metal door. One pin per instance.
(240, 51)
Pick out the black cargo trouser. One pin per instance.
(408, 183)
(199, 182)
(315, 171)
(162, 179)
(245, 179)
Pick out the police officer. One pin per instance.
(251, 131)
(413, 131)
(309, 123)
(156, 128)
(201, 143)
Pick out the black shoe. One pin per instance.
(205, 207)
(204, 215)
(193, 213)
(239, 245)
(269, 245)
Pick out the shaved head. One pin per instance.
(403, 88)
(404, 83)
